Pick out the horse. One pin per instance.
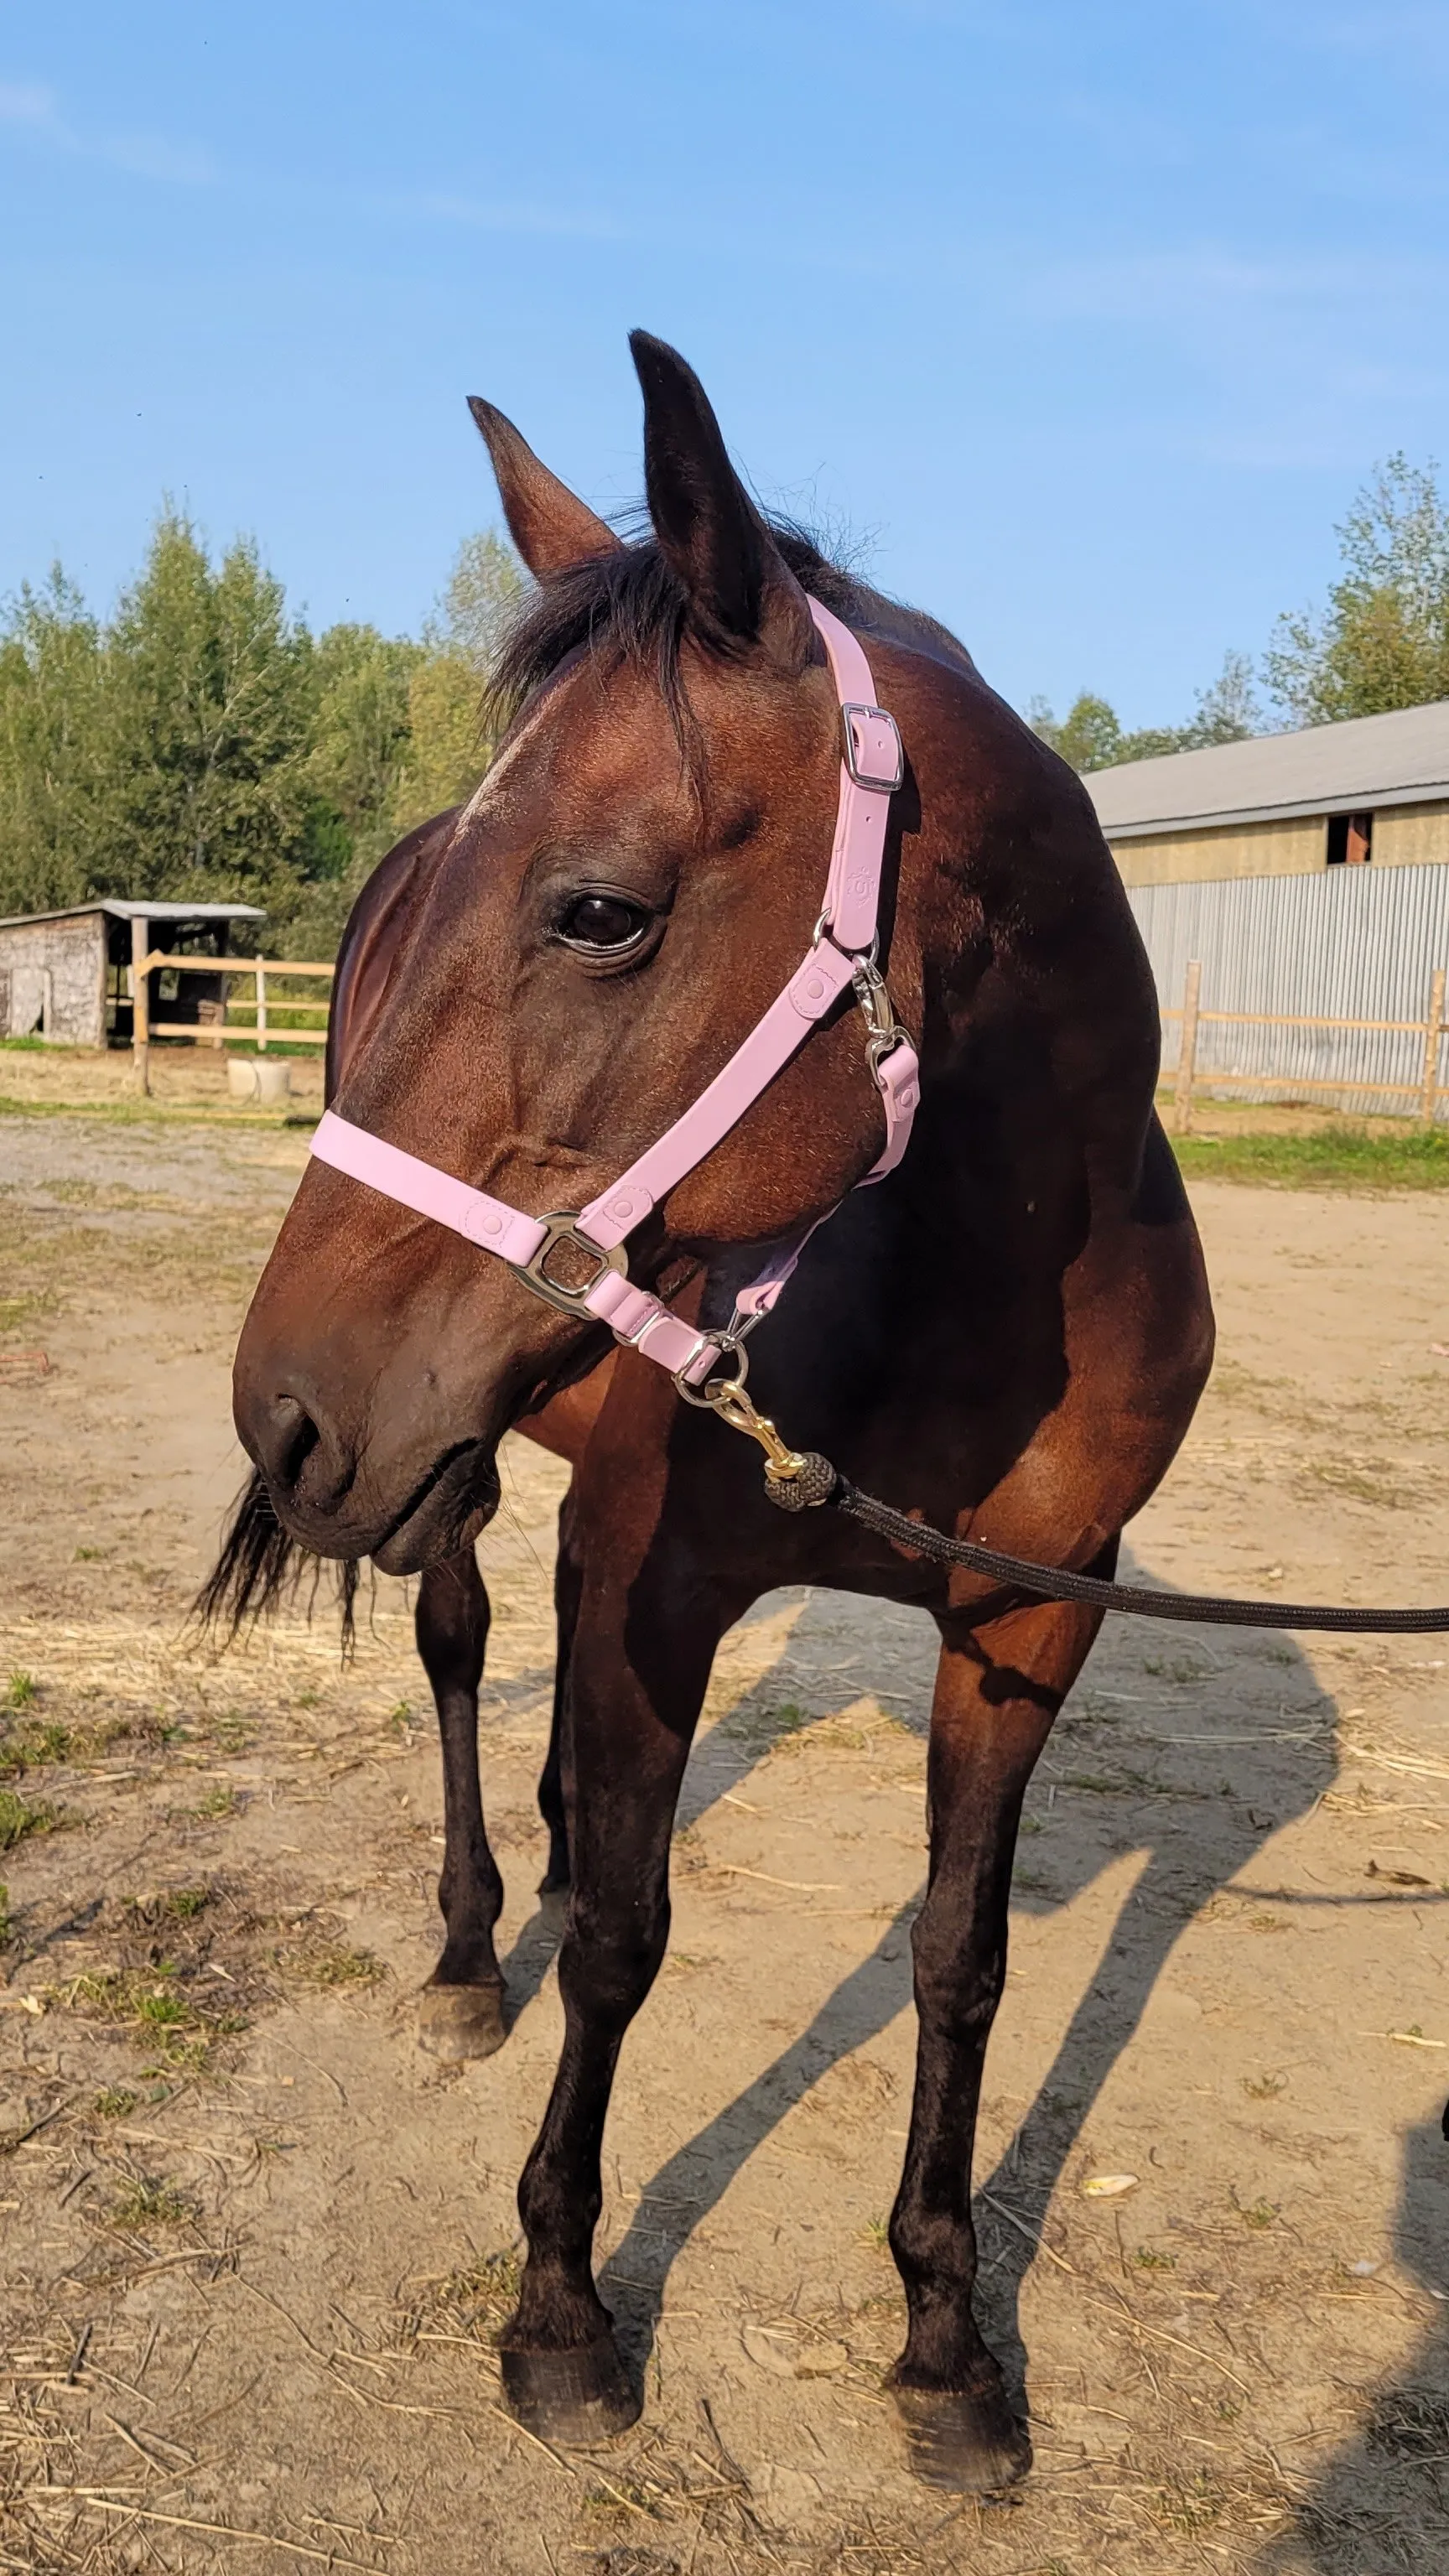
(1006, 1334)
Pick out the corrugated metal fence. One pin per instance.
(1352, 944)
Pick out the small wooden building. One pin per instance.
(1372, 790)
(66, 976)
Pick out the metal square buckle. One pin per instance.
(564, 1228)
(862, 777)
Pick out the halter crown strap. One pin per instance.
(872, 767)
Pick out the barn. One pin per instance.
(1300, 882)
(1284, 804)
(66, 976)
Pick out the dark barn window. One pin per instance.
(1350, 839)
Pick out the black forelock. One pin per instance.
(632, 604)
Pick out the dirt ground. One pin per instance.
(256, 2244)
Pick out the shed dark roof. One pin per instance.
(118, 910)
(1397, 759)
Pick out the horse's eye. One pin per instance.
(601, 923)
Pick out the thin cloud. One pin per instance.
(26, 103)
(141, 156)
(558, 222)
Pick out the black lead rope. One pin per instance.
(819, 1483)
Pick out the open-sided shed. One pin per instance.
(67, 975)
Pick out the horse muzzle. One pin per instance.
(337, 1498)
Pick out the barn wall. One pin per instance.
(1252, 850)
(1349, 943)
(1411, 836)
(73, 956)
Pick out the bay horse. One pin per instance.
(1007, 1335)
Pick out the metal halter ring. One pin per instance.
(728, 1347)
(563, 1227)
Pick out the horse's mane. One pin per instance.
(633, 603)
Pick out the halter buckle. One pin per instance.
(879, 786)
(563, 1227)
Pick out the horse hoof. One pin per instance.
(458, 2022)
(573, 2398)
(973, 2445)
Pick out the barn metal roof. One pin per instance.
(123, 911)
(1398, 759)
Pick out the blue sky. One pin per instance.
(1090, 319)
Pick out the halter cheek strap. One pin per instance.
(843, 953)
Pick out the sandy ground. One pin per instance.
(256, 2244)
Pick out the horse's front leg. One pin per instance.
(460, 2009)
(643, 1642)
(998, 1689)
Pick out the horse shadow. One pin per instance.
(1214, 1751)
(1382, 2502)
(1208, 1744)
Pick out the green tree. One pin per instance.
(211, 697)
(1383, 639)
(1091, 737)
(359, 745)
(449, 749)
(52, 756)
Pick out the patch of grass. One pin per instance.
(20, 1690)
(161, 2016)
(20, 1817)
(217, 1802)
(477, 2300)
(876, 2233)
(33, 1748)
(1148, 2259)
(1340, 1156)
(18, 1311)
(619, 2502)
(233, 1732)
(762, 1727)
(7, 1926)
(151, 2204)
(1189, 2505)
(114, 2102)
(1264, 2088)
(89, 1555)
(1263, 2213)
(334, 1964)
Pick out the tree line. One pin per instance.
(1380, 641)
(201, 744)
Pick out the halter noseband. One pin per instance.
(843, 952)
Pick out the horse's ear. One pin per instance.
(551, 527)
(741, 591)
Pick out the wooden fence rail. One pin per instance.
(263, 1028)
(1426, 1090)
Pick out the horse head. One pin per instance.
(595, 933)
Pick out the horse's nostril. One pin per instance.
(295, 1436)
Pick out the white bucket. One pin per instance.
(258, 1077)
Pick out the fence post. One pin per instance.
(261, 1008)
(1187, 1061)
(1429, 1093)
(140, 1014)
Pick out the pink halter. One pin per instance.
(843, 952)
